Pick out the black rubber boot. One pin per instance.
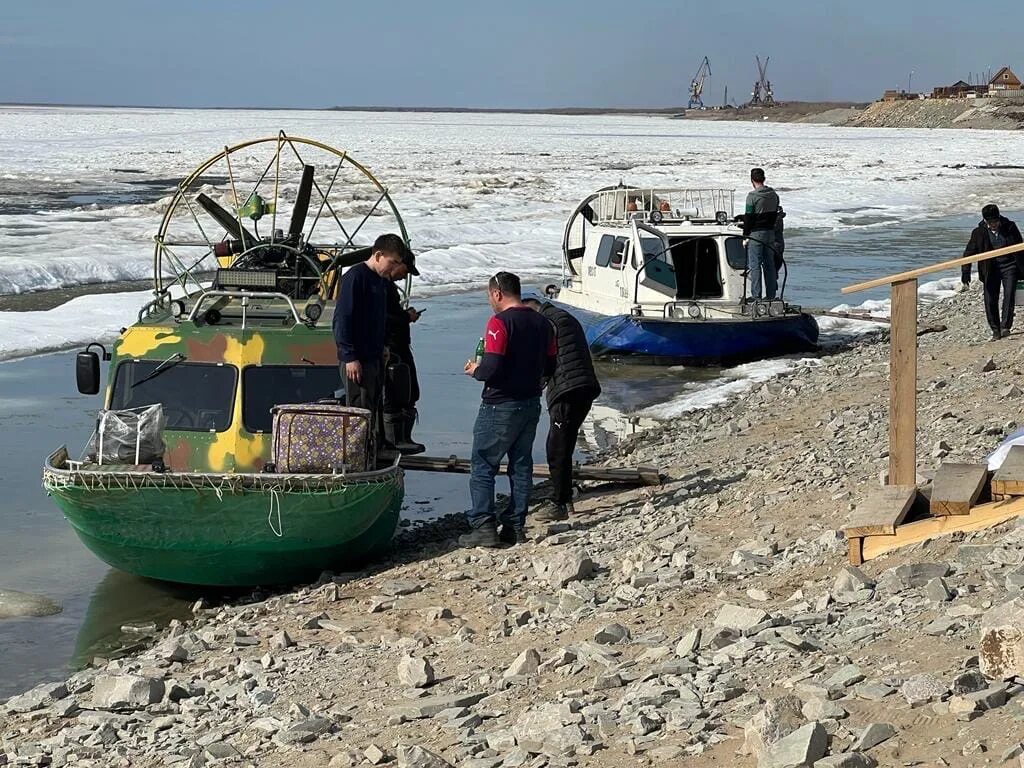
(403, 432)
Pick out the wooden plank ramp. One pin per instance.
(877, 515)
(956, 488)
(878, 525)
(1009, 478)
(981, 517)
(642, 475)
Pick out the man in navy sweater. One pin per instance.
(359, 325)
(519, 352)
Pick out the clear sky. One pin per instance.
(487, 53)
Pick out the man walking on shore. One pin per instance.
(359, 326)
(519, 351)
(570, 393)
(760, 213)
(995, 231)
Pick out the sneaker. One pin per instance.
(1004, 332)
(484, 536)
(550, 512)
(509, 535)
(997, 335)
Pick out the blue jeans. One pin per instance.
(761, 258)
(505, 429)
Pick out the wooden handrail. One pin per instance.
(915, 273)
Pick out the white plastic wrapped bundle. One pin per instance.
(130, 436)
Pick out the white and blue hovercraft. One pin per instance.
(661, 275)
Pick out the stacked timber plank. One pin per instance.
(896, 516)
(642, 475)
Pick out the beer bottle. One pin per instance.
(480, 351)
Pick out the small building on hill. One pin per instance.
(958, 90)
(898, 95)
(1004, 80)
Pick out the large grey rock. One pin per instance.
(873, 735)
(304, 731)
(776, 719)
(844, 677)
(429, 706)
(526, 663)
(847, 760)
(739, 617)
(39, 697)
(419, 757)
(171, 650)
(910, 576)
(1002, 640)
(922, 689)
(688, 643)
(126, 691)
(851, 579)
(14, 605)
(414, 672)
(564, 567)
(802, 747)
(552, 728)
(611, 634)
(823, 709)
(937, 591)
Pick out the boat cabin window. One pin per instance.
(196, 397)
(735, 253)
(656, 263)
(611, 252)
(696, 267)
(264, 386)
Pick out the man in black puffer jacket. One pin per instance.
(995, 231)
(570, 393)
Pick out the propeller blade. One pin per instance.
(301, 202)
(350, 258)
(226, 220)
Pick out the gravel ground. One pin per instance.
(712, 621)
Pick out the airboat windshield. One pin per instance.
(196, 397)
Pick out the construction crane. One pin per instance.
(697, 84)
(762, 95)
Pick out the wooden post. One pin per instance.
(903, 384)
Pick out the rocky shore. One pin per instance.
(710, 622)
(986, 114)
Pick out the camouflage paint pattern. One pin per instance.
(276, 341)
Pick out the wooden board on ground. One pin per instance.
(642, 475)
(956, 488)
(982, 516)
(881, 511)
(1009, 478)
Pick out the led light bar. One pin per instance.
(246, 278)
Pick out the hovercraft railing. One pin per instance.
(620, 205)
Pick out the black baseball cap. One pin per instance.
(409, 259)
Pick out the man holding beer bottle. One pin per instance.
(519, 351)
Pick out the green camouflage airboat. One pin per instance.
(239, 322)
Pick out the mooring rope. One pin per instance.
(275, 498)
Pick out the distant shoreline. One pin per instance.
(806, 106)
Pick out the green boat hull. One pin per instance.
(234, 536)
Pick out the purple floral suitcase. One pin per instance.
(320, 438)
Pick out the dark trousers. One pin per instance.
(1000, 276)
(566, 415)
(401, 354)
(367, 394)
